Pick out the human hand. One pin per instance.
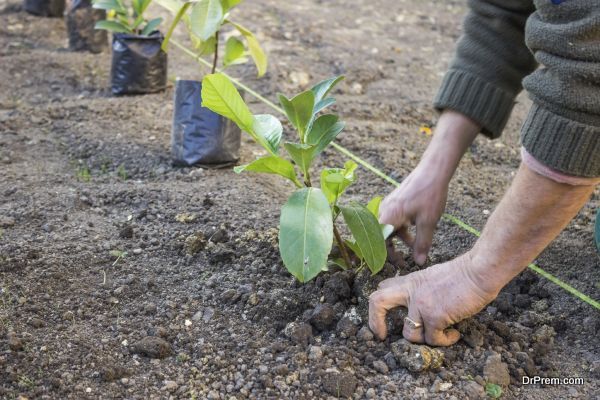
(421, 198)
(436, 298)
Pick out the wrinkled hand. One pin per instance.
(436, 297)
(420, 200)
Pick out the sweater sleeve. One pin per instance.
(562, 130)
(490, 63)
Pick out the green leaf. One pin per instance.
(204, 47)
(118, 253)
(338, 262)
(302, 154)
(323, 88)
(256, 52)
(139, 14)
(229, 4)
(374, 204)
(367, 233)
(267, 131)
(299, 110)
(112, 26)
(206, 18)
(136, 7)
(151, 26)
(144, 5)
(220, 96)
(271, 165)
(324, 131)
(321, 105)
(176, 20)
(109, 5)
(124, 20)
(138, 21)
(334, 181)
(354, 248)
(234, 51)
(172, 5)
(305, 233)
(493, 390)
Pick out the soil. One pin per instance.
(124, 277)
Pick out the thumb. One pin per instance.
(380, 302)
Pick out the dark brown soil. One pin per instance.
(202, 309)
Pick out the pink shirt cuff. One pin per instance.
(555, 175)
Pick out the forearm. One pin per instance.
(453, 135)
(532, 213)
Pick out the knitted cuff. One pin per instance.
(562, 144)
(479, 100)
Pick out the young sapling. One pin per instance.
(124, 18)
(309, 219)
(205, 20)
(200, 136)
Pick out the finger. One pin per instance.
(387, 213)
(391, 213)
(414, 335)
(380, 302)
(406, 236)
(441, 337)
(423, 241)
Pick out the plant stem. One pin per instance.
(307, 181)
(216, 58)
(342, 246)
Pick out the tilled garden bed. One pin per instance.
(200, 306)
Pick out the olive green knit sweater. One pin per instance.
(503, 42)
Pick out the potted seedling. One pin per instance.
(81, 19)
(45, 8)
(138, 64)
(200, 136)
(310, 218)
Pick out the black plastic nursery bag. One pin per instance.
(81, 18)
(139, 66)
(45, 8)
(200, 136)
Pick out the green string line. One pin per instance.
(570, 289)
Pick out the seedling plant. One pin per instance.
(310, 217)
(125, 18)
(205, 20)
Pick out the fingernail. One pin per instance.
(420, 259)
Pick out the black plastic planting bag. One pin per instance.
(138, 64)
(81, 18)
(200, 136)
(45, 8)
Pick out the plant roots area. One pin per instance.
(123, 277)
